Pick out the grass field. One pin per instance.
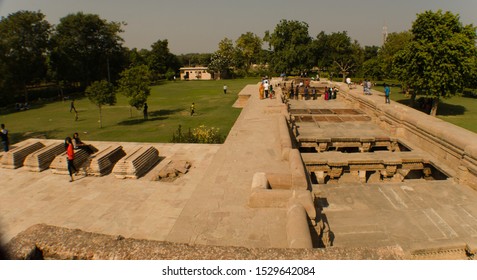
(458, 110)
(168, 103)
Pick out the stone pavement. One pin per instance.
(208, 205)
(133, 208)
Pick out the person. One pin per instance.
(369, 87)
(4, 136)
(70, 157)
(261, 90)
(348, 82)
(78, 144)
(330, 93)
(225, 89)
(387, 93)
(271, 92)
(335, 92)
(326, 96)
(313, 92)
(365, 85)
(305, 93)
(145, 111)
(72, 106)
(266, 88)
(192, 109)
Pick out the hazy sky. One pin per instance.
(199, 25)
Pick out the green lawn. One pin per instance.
(169, 105)
(458, 110)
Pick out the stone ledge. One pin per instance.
(52, 242)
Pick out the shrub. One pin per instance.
(202, 134)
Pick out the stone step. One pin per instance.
(102, 163)
(41, 159)
(14, 158)
(136, 164)
(59, 164)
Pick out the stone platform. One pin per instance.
(253, 191)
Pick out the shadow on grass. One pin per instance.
(443, 109)
(153, 116)
(161, 113)
(21, 136)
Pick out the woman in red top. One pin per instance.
(70, 152)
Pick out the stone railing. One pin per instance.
(451, 145)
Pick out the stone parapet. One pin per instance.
(49, 242)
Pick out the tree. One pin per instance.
(223, 59)
(371, 67)
(160, 60)
(24, 39)
(101, 93)
(439, 59)
(395, 42)
(194, 59)
(338, 53)
(290, 42)
(86, 48)
(135, 84)
(249, 46)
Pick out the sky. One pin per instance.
(197, 26)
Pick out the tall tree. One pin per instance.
(338, 53)
(290, 42)
(101, 93)
(85, 47)
(249, 46)
(439, 59)
(224, 58)
(135, 85)
(161, 60)
(24, 39)
(394, 43)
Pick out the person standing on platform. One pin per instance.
(4, 136)
(70, 157)
(387, 93)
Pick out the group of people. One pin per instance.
(265, 89)
(330, 93)
(72, 144)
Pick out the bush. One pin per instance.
(202, 134)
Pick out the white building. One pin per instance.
(196, 73)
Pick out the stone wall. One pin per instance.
(49, 242)
(455, 148)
